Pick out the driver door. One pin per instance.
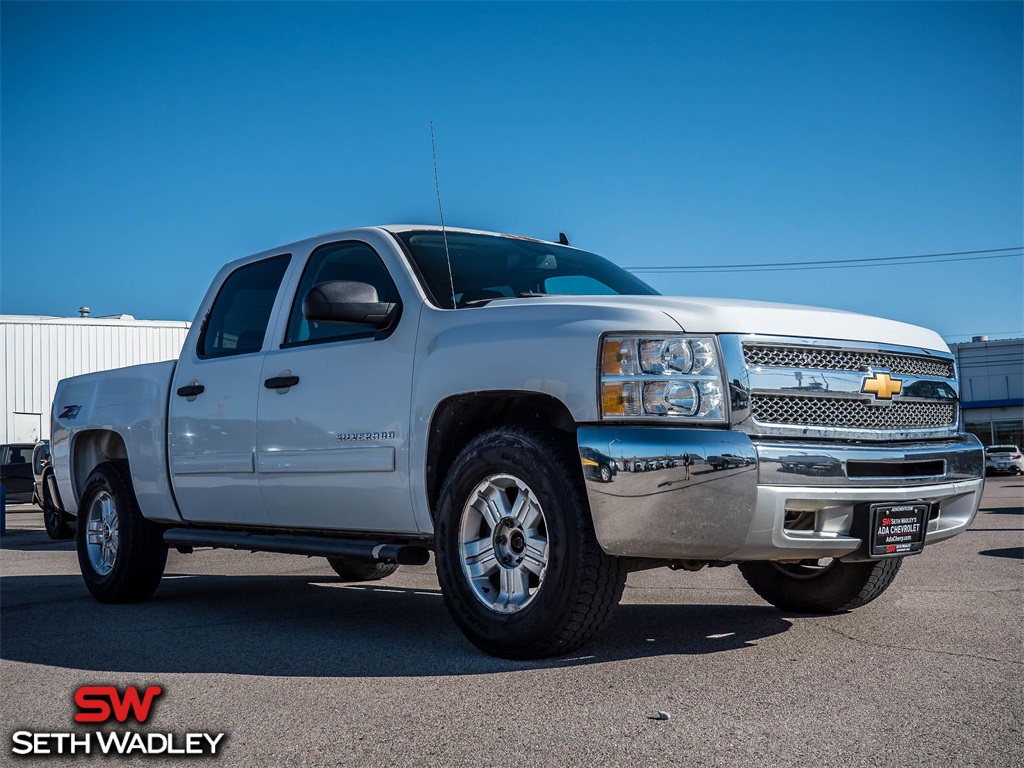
(334, 408)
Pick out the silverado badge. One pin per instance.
(882, 386)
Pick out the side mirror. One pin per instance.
(342, 301)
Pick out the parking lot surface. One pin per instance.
(299, 668)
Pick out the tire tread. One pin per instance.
(142, 553)
(600, 578)
(846, 587)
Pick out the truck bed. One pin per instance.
(116, 414)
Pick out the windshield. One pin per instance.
(1004, 449)
(489, 267)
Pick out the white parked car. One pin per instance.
(1004, 458)
(376, 394)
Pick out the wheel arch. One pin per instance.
(458, 419)
(89, 449)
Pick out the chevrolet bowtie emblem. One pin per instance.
(882, 386)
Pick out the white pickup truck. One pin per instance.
(536, 416)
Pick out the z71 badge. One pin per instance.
(70, 412)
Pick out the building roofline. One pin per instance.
(101, 321)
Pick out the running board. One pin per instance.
(288, 544)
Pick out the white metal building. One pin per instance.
(992, 388)
(38, 351)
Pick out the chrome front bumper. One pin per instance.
(734, 499)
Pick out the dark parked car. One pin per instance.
(59, 524)
(16, 471)
(597, 466)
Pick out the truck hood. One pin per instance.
(706, 315)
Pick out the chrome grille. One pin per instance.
(852, 413)
(845, 360)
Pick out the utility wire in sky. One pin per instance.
(884, 261)
(683, 270)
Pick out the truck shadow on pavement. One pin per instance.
(308, 626)
(1004, 511)
(24, 541)
(1013, 553)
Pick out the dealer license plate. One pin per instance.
(898, 529)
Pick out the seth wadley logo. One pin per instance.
(102, 703)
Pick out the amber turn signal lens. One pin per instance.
(612, 401)
(611, 357)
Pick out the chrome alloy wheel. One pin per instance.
(102, 536)
(503, 543)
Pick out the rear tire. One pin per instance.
(361, 570)
(122, 554)
(57, 521)
(520, 567)
(833, 589)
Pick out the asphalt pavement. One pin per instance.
(299, 668)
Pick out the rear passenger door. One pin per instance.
(333, 449)
(212, 414)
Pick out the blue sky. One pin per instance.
(143, 145)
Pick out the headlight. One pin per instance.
(660, 376)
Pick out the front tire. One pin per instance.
(122, 554)
(361, 570)
(57, 521)
(811, 587)
(520, 567)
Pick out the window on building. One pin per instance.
(1008, 432)
(982, 430)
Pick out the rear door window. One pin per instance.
(237, 323)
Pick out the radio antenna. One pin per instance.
(444, 233)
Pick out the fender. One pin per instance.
(549, 349)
